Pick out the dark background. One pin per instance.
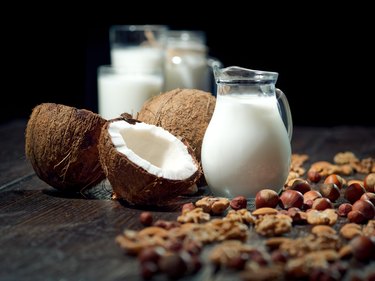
(324, 55)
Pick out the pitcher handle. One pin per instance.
(285, 112)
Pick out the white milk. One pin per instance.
(119, 93)
(186, 66)
(246, 147)
(142, 59)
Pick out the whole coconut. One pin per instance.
(61, 143)
(183, 112)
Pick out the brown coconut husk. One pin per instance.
(185, 113)
(61, 144)
(135, 184)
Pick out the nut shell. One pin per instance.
(183, 112)
(133, 183)
(61, 144)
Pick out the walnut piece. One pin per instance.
(273, 225)
(196, 215)
(328, 216)
(215, 205)
(350, 230)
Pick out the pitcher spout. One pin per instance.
(236, 74)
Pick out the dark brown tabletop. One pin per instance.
(48, 235)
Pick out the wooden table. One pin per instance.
(48, 235)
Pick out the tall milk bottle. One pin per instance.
(246, 146)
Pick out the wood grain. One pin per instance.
(49, 235)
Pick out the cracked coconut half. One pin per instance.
(145, 164)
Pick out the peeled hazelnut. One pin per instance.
(314, 176)
(356, 217)
(336, 179)
(368, 196)
(365, 207)
(353, 192)
(344, 209)
(363, 248)
(146, 218)
(311, 195)
(291, 198)
(266, 198)
(330, 191)
(369, 182)
(238, 203)
(321, 204)
(300, 185)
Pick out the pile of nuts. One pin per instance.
(316, 228)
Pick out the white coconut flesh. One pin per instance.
(154, 149)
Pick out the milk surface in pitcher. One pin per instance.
(246, 146)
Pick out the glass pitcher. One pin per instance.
(246, 146)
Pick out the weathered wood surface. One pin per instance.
(48, 235)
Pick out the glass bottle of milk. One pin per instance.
(186, 64)
(246, 146)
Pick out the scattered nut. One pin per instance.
(266, 198)
(353, 192)
(314, 176)
(264, 211)
(196, 215)
(350, 230)
(239, 202)
(335, 179)
(363, 248)
(311, 195)
(365, 207)
(330, 191)
(368, 196)
(146, 218)
(369, 182)
(273, 225)
(327, 216)
(344, 209)
(344, 157)
(356, 217)
(322, 204)
(215, 205)
(322, 230)
(291, 198)
(300, 185)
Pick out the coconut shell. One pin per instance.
(135, 184)
(61, 143)
(183, 112)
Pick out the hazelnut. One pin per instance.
(150, 254)
(300, 185)
(311, 195)
(363, 248)
(173, 265)
(321, 204)
(279, 256)
(330, 191)
(266, 198)
(344, 209)
(291, 198)
(353, 192)
(146, 218)
(368, 196)
(335, 179)
(365, 207)
(238, 203)
(356, 217)
(314, 176)
(369, 182)
(307, 204)
(187, 207)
